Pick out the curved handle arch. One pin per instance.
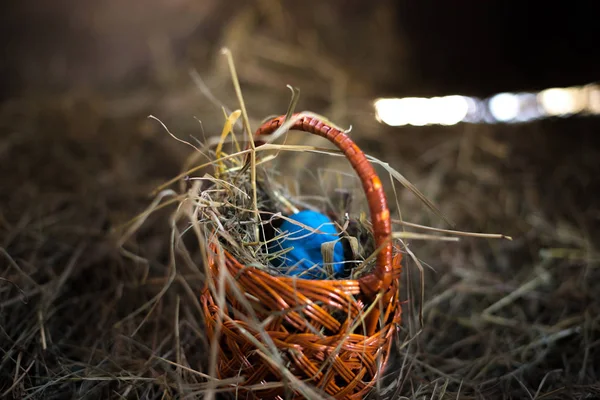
(381, 277)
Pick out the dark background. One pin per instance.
(471, 47)
(487, 47)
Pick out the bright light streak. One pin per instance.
(418, 111)
(529, 108)
(475, 111)
(449, 110)
(505, 106)
(557, 101)
(389, 111)
(593, 95)
(502, 107)
(415, 111)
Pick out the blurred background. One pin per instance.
(509, 144)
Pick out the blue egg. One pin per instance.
(305, 257)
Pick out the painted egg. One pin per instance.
(303, 257)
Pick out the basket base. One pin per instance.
(286, 336)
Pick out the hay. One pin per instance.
(81, 319)
(77, 315)
(506, 319)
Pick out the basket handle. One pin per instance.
(381, 277)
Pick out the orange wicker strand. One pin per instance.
(332, 334)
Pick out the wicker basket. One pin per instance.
(334, 335)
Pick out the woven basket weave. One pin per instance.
(332, 334)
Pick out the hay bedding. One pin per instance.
(508, 319)
(80, 318)
(83, 316)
